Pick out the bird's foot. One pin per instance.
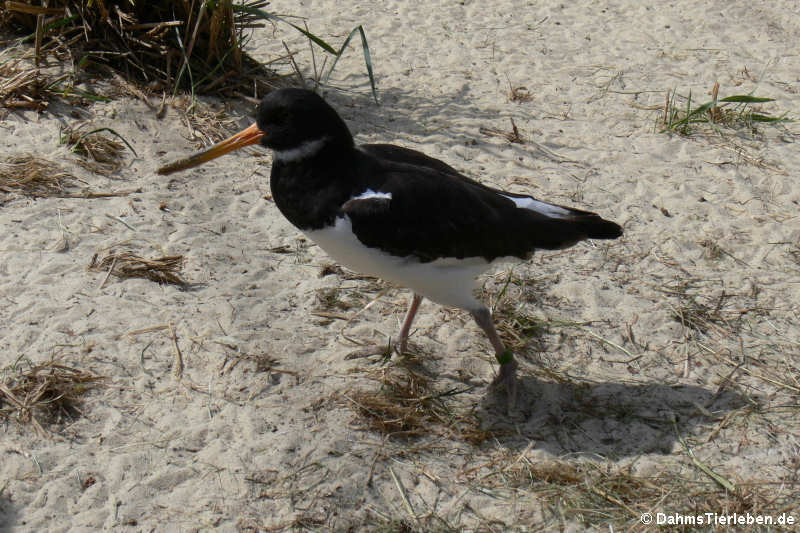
(507, 377)
(401, 346)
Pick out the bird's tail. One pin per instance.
(560, 227)
(596, 227)
(564, 232)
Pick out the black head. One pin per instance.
(288, 119)
(291, 117)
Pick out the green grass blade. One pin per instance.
(692, 115)
(701, 109)
(60, 23)
(325, 46)
(367, 58)
(109, 130)
(368, 62)
(757, 117)
(339, 54)
(83, 94)
(184, 67)
(718, 112)
(746, 99)
(260, 13)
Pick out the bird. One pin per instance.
(398, 214)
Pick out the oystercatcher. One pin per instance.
(398, 214)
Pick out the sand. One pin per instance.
(683, 336)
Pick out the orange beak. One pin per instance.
(246, 137)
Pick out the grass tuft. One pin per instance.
(738, 112)
(322, 77)
(40, 178)
(512, 136)
(43, 392)
(699, 312)
(25, 86)
(592, 494)
(166, 43)
(100, 153)
(33, 176)
(408, 406)
(404, 406)
(129, 265)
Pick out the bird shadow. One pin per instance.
(406, 115)
(613, 420)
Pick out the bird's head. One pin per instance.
(291, 122)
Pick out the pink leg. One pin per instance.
(507, 374)
(402, 339)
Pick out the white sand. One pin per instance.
(232, 448)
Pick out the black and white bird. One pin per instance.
(398, 214)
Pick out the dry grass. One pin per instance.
(593, 493)
(125, 265)
(262, 362)
(512, 136)
(44, 392)
(259, 362)
(23, 86)
(100, 153)
(407, 406)
(34, 176)
(41, 178)
(517, 311)
(207, 123)
(164, 44)
(695, 308)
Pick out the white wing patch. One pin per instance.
(369, 193)
(307, 149)
(544, 208)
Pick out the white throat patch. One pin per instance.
(307, 149)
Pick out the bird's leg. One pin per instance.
(508, 366)
(402, 339)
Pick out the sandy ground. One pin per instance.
(681, 337)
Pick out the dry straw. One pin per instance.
(408, 406)
(100, 153)
(164, 43)
(167, 44)
(33, 176)
(43, 392)
(40, 178)
(129, 265)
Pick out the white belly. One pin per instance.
(448, 282)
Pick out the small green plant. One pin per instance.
(735, 112)
(337, 54)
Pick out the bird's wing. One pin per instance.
(430, 211)
(399, 154)
(403, 155)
